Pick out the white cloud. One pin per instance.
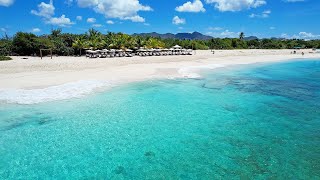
(136, 18)
(97, 25)
(91, 20)
(176, 20)
(79, 18)
(122, 9)
(146, 24)
(236, 5)
(294, 0)
(228, 33)
(60, 21)
(272, 28)
(301, 35)
(215, 28)
(264, 14)
(69, 2)
(306, 35)
(44, 10)
(3, 29)
(223, 34)
(196, 6)
(35, 30)
(6, 3)
(110, 22)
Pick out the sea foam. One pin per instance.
(53, 93)
(192, 71)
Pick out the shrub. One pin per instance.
(5, 47)
(24, 44)
(5, 58)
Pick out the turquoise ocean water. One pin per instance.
(248, 122)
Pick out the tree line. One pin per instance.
(68, 44)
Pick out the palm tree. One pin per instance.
(154, 43)
(126, 41)
(92, 33)
(140, 42)
(56, 32)
(95, 39)
(96, 43)
(80, 44)
(241, 36)
(109, 38)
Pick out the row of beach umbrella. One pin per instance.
(104, 53)
(109, 53)
(163, 52)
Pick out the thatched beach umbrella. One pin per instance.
(92, 54)
(176, 47)
(128, 52)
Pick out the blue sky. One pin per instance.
(219, 18)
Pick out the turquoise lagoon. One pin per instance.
(247, 122)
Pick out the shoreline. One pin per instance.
(34, 80)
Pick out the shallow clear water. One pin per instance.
(253, 122)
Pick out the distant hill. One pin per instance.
(154, 34)
(192, 36)
(251, 38)
(274, 38)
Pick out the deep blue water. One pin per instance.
(250, 122)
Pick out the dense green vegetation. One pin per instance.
(74, 44)
(5, 58)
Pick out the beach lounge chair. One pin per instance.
(128, 53)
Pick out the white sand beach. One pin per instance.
(78, 73)
(33, 73)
